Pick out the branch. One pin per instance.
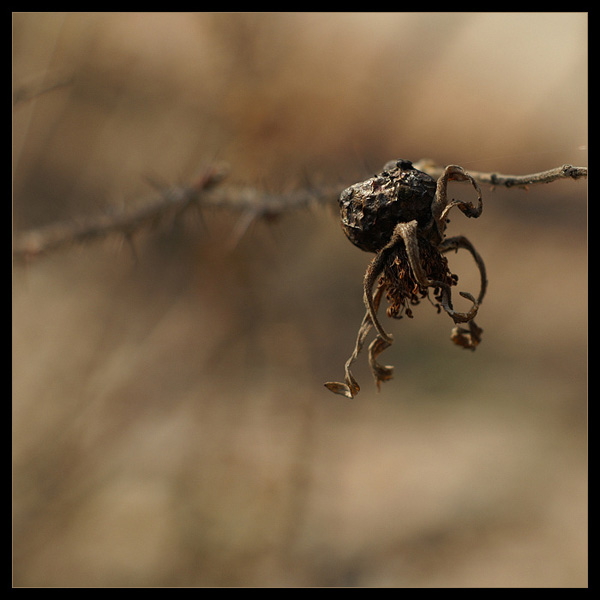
(207, 192)
(203, 193)
(564, 172)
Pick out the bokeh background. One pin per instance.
(170, 424)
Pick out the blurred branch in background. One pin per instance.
(39, 85)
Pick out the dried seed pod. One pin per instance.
(371, 209)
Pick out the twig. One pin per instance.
(173, 201)
(208, 192)
(41, 241)
(564, 172)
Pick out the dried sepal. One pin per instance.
(381, 373)
(350, 388)
(467, 338)
(342, 389)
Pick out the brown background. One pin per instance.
(170, 424)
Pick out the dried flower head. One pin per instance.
(401, 215)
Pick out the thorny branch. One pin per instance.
(208, 191)
(202, 193)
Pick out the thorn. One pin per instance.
(155, 184)
(128, 237)
(210, 176)
(241, 228)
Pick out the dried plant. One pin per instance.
(401, 215)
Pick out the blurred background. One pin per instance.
(170, 423)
